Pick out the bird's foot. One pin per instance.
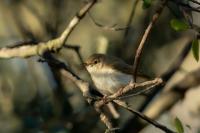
(105, 98)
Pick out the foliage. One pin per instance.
(179, 25)
(146, 3)
(178, 125)
(195, 49)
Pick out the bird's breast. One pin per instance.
(109, 81)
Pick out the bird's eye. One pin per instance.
(96, 61)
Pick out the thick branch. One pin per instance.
(52, 45)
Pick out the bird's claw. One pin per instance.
(104, 98)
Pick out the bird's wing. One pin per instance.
(120, 65)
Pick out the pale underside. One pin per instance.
(107, 80)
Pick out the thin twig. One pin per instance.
(76, 48)
(130, 87)
(141, 91)
(147, 119)
(135, 3)
(172, 70)
(106, 27)
(144, 38)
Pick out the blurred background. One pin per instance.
(36, 99)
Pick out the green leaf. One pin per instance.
(178, 25)
(178, 125)
(195, 49)
(146, 3)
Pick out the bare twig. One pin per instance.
(142, 91)
(172, 70)
(52, 45)
(76, 48)
(144, 38)
(106, 27)
(135, 3)
(134, 86)
(147, 119)
(130, 87)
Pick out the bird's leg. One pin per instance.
(105, 98)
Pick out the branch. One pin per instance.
(166, 77)
(76, 48)
(106, 27)
(144, 38)
(84, 86)
(135, 3)
(121, 93)
(147, 119)
(171, 71)
(50, 46)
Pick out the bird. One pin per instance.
(108, 73)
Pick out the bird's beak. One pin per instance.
(85, 64)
